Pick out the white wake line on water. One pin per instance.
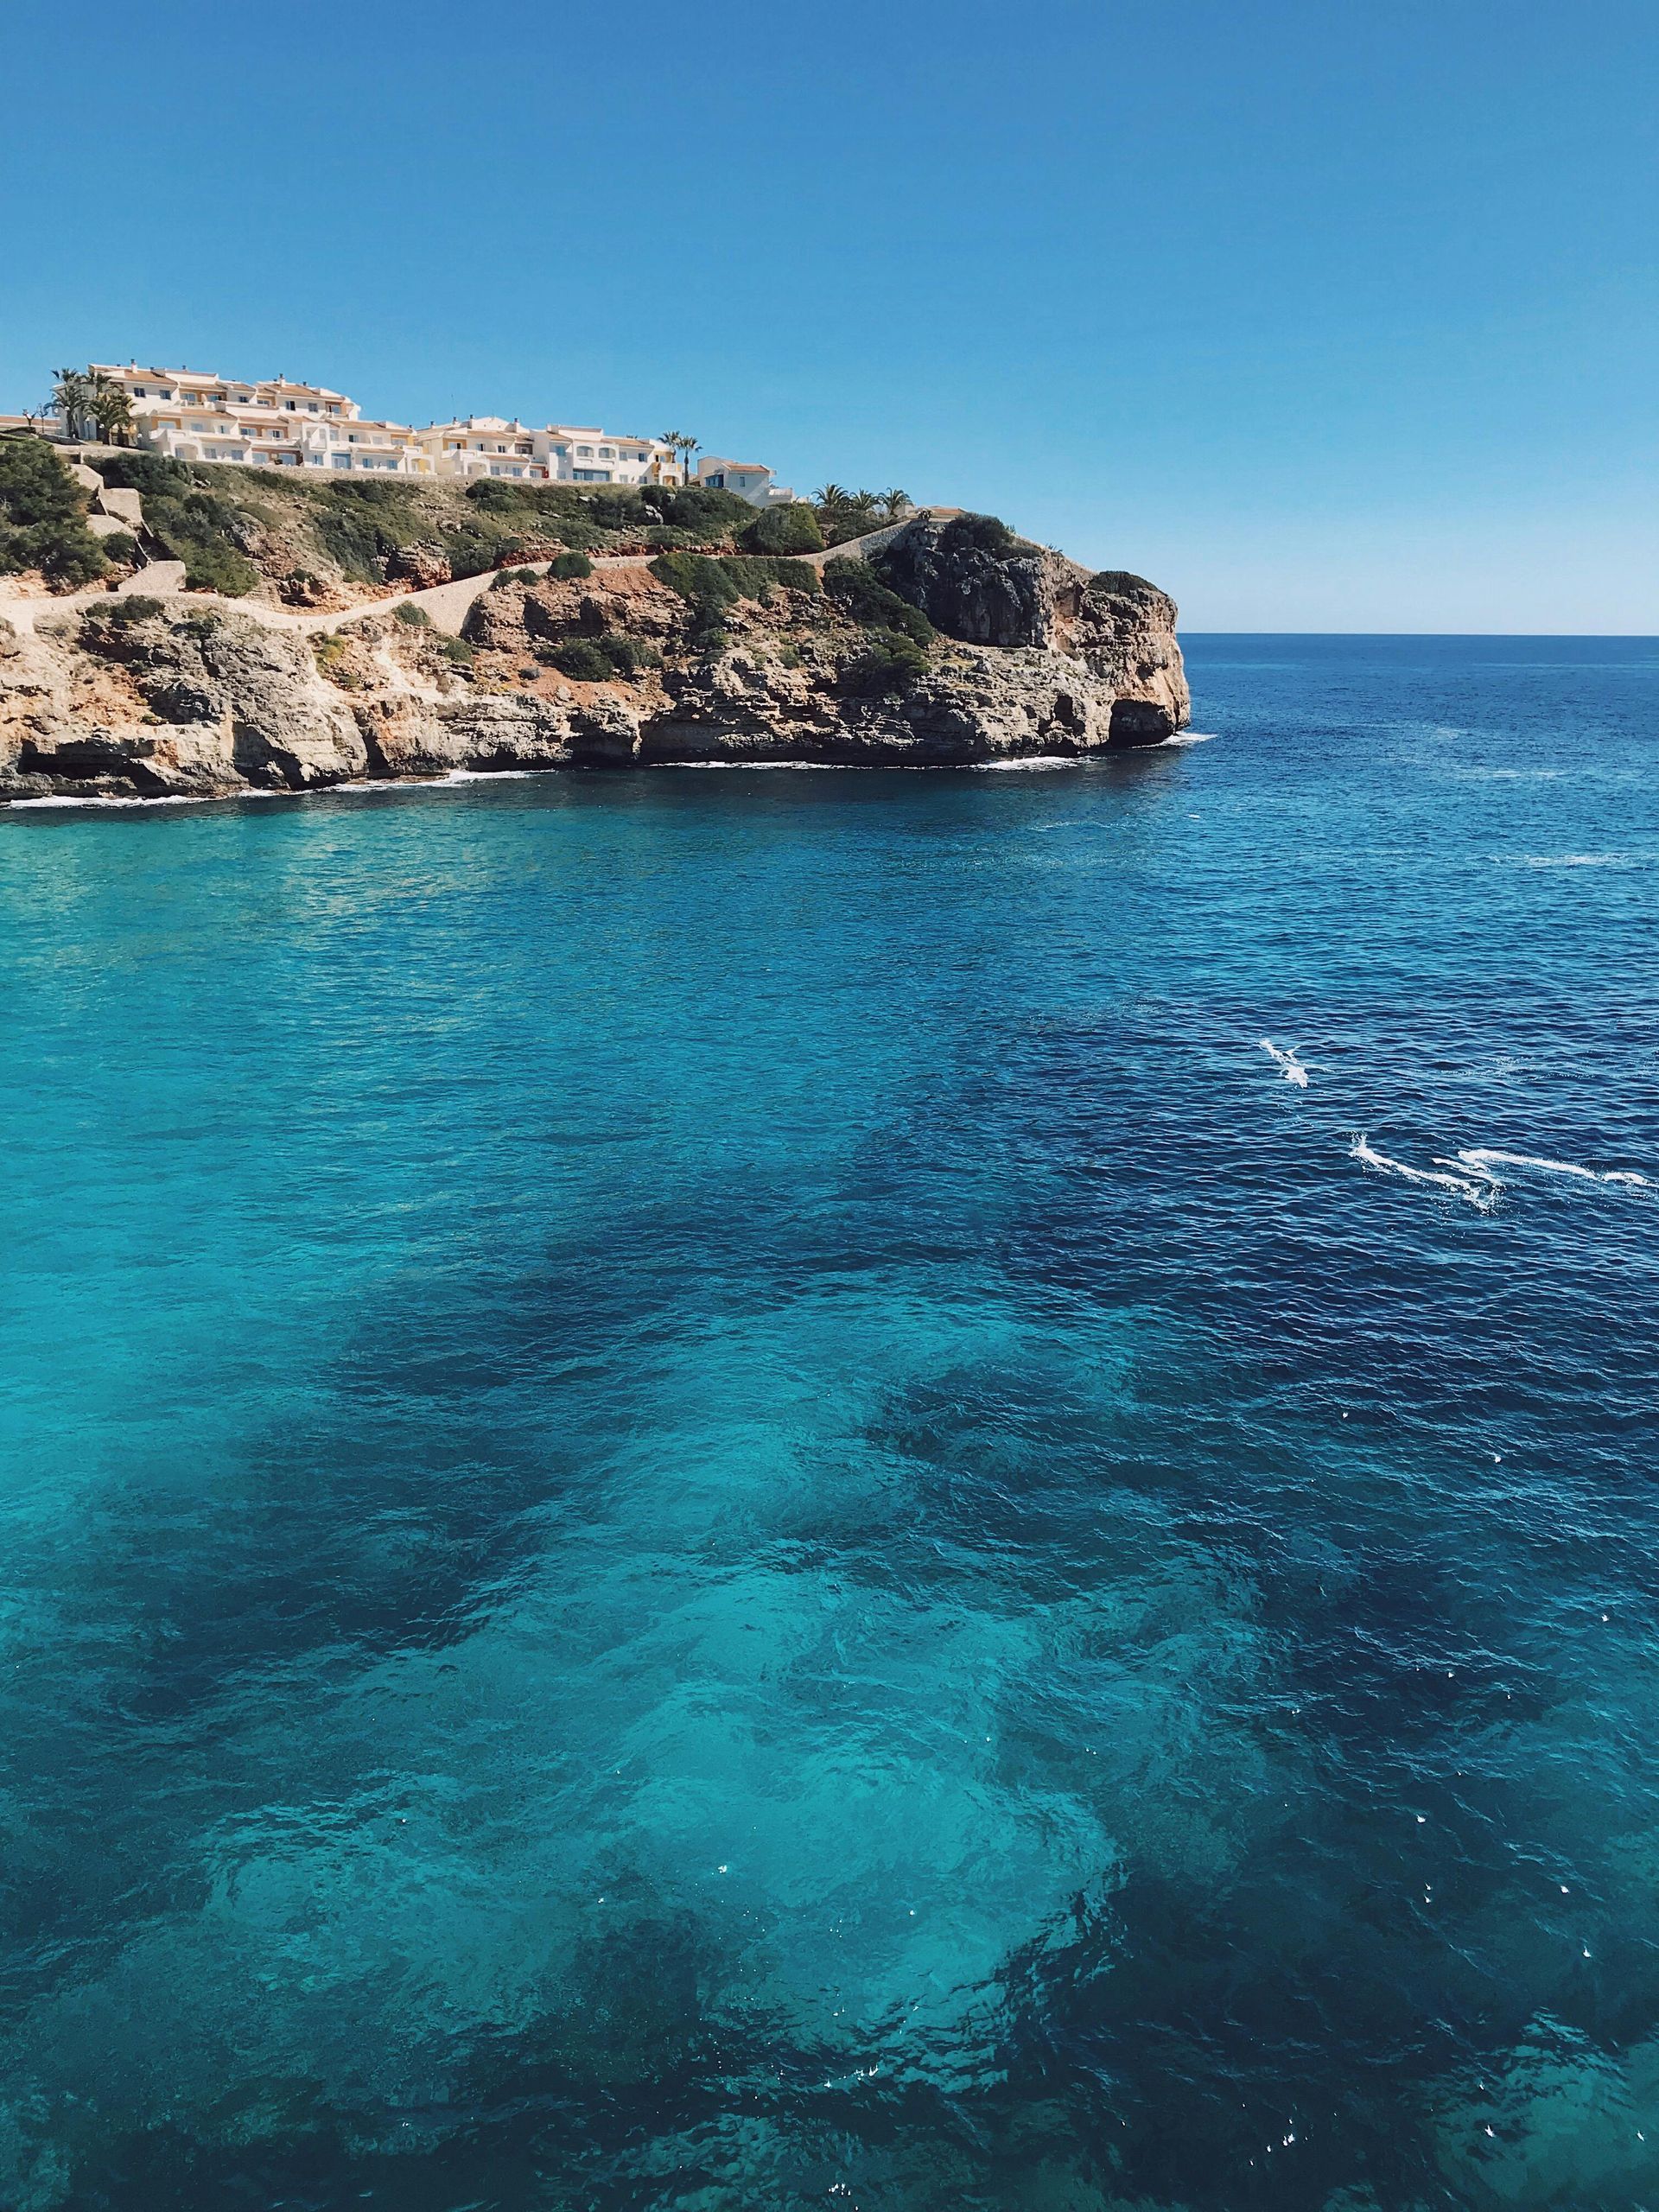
(1482, 1158)
(1568, 860)
(1192, 737)
(1294, 1070)
(1481, 1195)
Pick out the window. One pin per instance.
(584, 452)
(607, 453)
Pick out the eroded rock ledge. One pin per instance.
(1032, 655)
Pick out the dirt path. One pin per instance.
(446, 605)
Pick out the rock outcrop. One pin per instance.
(1036, 656)
(976, 581)
(210, 703)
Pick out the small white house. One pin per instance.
(750, 480)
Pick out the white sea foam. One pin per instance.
(1294, 1070)
(1483, 1158)
(1482, 1194)
(1576, 859)
(1033, 760)
(109, 800)
(1192, 737)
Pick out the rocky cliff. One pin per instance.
(958, 644)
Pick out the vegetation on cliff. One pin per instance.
(43, 517)
(235, 529)
(957, 642)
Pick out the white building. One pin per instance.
(189, 415)
(581, 455)
(561, 453)
(750, 480)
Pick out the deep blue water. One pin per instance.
(713, 1498)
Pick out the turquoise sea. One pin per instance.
(714, 1497)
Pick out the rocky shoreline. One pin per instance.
(1023, 653)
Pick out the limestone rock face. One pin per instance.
(134, 694)
(412, 737)
(1119, 626)
(213, 703)
(419, 566)
(284, 728)
(987, 705)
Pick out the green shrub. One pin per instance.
(417, 617)
(573, 563)
(707, 515)
(122, 613)
(504, 577)
(219, 568)
(856, 588)
(711, 581)
(145, 473)
(978, 534)
(615, 507)
(793, 529)
(627, 656)
(43, 517)
(892, 663)
(499, 495)
(119, 545)
(580, 659)
(197, 527)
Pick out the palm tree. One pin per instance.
(683, 443)
(864, 503)
(833, 496)
(109, 407)
(72, 394)
(894, 504)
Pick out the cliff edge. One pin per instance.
(951, 642)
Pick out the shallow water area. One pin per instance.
(927, 1491)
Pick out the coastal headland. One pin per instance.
(277, 636)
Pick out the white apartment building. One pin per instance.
(561, 453)
(190, 415)
(578, 454)
(750, 480)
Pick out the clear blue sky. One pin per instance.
(1325, 314)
